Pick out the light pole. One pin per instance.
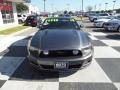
(114, 4)
(44, 6)
(68, 6)
(52, 6)
(99, 7)
(95, 7)
(106, 6)
(82, 5)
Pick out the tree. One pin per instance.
(89, 8)
(21, 7)
(65, 12)
(70, 13)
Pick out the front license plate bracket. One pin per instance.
(61, 65)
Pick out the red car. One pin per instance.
(33, 21)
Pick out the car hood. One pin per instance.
(60, 39)
(103, 20)
(114, 21)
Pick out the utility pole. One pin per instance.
(44, 6)
(68, 5)
(99, 7)
(106, 6)
(82, 9)
(114, 4)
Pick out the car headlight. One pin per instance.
(86, 51)
(33, 51)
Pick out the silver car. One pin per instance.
(100, 22)
(60, 44)
(113, 25)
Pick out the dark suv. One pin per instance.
(33, 20)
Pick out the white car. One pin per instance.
(113, 25)
(100, 22)
(21, 18)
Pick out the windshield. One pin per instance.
(60, 23)
(110, 17)
(103, 14)
(118, 17)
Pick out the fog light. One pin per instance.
(75, 52)
(46, 52)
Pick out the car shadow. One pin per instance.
(113, 37)
(20, 69)
(90, 26)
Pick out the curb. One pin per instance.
(20, 31)
(13, 34)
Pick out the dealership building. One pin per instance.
(8, 12)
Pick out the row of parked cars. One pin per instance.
(31, 20)
(106, 21)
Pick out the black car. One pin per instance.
(60, 44)
(33, 21)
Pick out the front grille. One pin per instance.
(47, 66)
(60, 53)
(106, 24)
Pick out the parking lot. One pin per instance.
(102, 74)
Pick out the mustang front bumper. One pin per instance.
(70, 63)
(111, 28)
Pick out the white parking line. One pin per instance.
(112, 42)
(24, 85)
(117, 85)
(97, 33)
(105, 52)
(6, 42)
(93, 73)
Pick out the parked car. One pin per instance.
(60, 44)
(102, 15)
(113, 25)
(93, 17)
(21, 18)
(98, 16)
(33, 20)
(100, 22)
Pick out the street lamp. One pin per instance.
(52, 6)
(82, 5)
(44, 5)
(68, 6)
(114, 4)
(106, 6)
(99, 7)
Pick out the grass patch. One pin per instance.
(13, 30)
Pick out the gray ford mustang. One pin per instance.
(60, 44)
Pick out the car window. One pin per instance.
(118, 17)
(30, 17)
(103, 14)
(60, 24)
(24, 15)
(19, 15)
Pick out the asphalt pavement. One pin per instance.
(102, 74)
